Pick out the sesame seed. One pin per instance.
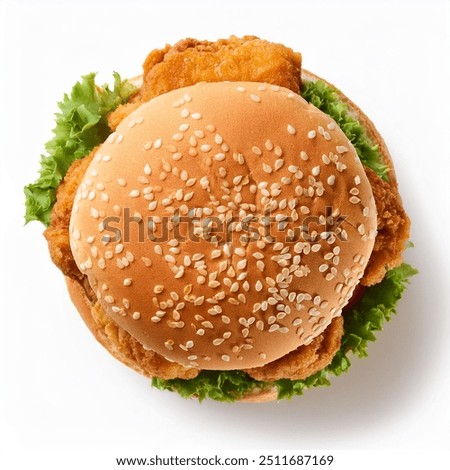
(258, 286)
(268, 144)
(196, 116)
(304, 156)
(341, 149)
(304, 210)
(205, 148)
(311, 134)
(94, 213)
(331, 179)
(267, 168)
(278, 151)
(158, 289)
(291, 129)
(234, 287)
(169, 258)
(242, 264)
(255, 98)
(241, 89)
(240, 251)
(136, 315)
(158, 143)
(134, 193)
(341, 166)
(152, 205)
(354, 200)
(278, 164)
(256, 150)
(225, 357)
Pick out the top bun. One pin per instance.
(225, 224)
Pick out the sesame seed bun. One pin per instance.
(233, 297)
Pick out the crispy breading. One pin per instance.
(305, 360)
(187, 63)
(393, 230)
(128, 350)
(57, 233)
(235, 59)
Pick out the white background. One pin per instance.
(61, 392)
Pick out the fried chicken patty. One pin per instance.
(235, 59)
(184, 64)
(306, 360)
(393, 230)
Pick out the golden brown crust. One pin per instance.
(235, 59)
(57, 233)
(393, 230)
(306, 360)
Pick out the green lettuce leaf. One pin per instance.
(218, 385)
(80, 125)
(360, 324)
(326, 98)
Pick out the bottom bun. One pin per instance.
(131, 353)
